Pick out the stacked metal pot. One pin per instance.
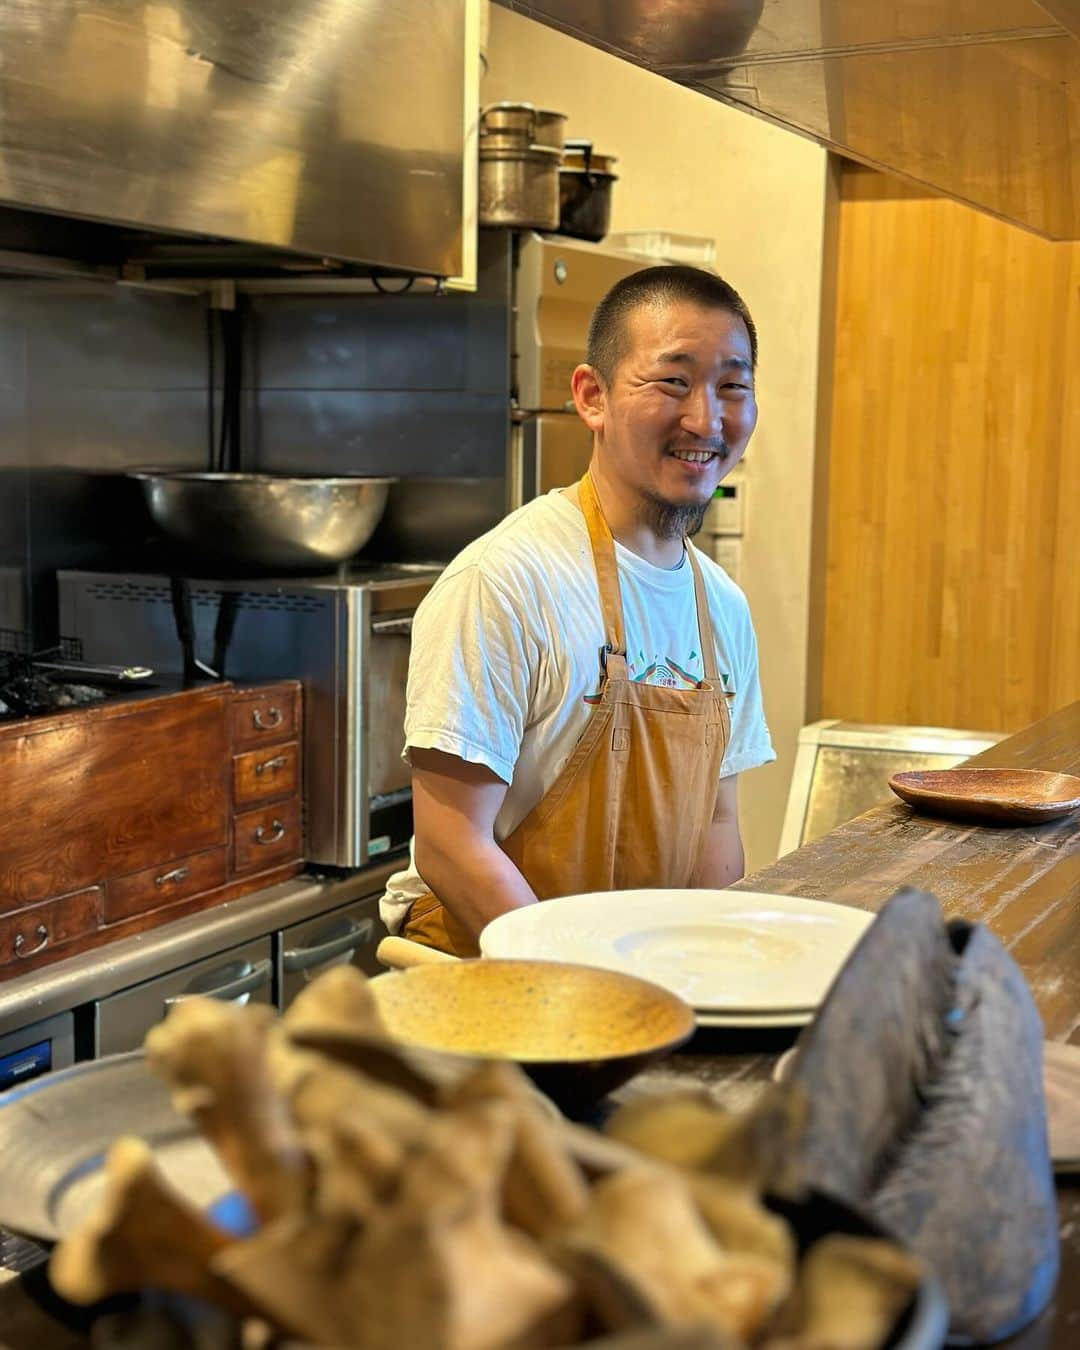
(527, 182)
(585, 180)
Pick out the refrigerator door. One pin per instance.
(238, 975)
(553, 451)
(558, 284)
(349, 934)
(35, 1049)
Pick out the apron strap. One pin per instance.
(607, 571)
(607, 576)
(704, 622)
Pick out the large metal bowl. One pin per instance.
(264, 521)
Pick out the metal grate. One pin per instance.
(137, 592)
(267, 600)
(18, 642)
(127, 590)
(19, 1254)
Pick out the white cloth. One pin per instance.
(505, 657)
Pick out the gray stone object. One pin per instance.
(924, 1073)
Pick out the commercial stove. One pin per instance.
(33, 683)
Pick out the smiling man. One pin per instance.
(583, 684)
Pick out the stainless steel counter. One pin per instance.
(95, 974)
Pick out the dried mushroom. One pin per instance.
(544, 1189)
(412, 1200)
(851, 1291)
(645, 1225)
(339, 1000)
(464, 1279)
(753, 1149)
(213, 1055)
(294, 1271)
(739, 1221)
(143, 1234)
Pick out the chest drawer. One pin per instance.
(271, 771)
(29, 932)
(156, 887)
(267, 715)
(266, 837)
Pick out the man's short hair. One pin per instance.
(666, 285)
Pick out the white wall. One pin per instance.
(692, 165)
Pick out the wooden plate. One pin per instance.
(1002, 796)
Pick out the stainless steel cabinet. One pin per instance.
(346, 935)
(240, 974)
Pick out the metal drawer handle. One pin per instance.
(400, 627)
(278, 762)
(42, 935)
(303, 958)
(274, 718)
(271, 836)
(235, 987)
(177, 874)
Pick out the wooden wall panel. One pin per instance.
(952, 584)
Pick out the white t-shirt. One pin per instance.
(505, 657)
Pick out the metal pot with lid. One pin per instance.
(509, 125)
(520, 154)
(585, 180)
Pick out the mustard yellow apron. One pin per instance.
(633, 803)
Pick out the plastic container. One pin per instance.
(666, 246)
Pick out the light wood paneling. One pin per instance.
(952, 587)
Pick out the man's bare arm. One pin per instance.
(722, 861)
(454, 808)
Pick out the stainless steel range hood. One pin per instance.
(978, 99)
(224, 136)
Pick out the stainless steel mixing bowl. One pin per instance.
(264, 521)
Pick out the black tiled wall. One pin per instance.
(97, 380)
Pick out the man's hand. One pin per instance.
(454, 808)
(722, 861)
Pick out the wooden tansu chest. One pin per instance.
(122, 816)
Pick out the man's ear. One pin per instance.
(587, 387)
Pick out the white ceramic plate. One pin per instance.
(748, 1021)
(729, 952)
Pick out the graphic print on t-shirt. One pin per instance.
(669, 674)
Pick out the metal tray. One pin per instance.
(56, 1130)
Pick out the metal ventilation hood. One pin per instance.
(236, 137)
(977, 99)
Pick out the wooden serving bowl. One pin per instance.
(994, 796)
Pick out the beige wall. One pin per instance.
(691, 165)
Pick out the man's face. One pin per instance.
(680, 408)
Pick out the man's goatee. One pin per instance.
(674, 522)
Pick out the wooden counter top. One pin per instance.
(1022, 881)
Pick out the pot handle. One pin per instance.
(484, 131)
(401, 954)
(586, 149)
